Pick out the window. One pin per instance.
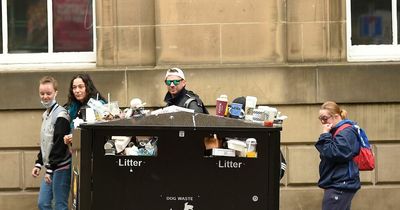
(372, 30)
(47, 31)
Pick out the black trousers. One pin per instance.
(337, 199)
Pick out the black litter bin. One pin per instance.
(172, 167)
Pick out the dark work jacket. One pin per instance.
(337, 168)
(191, 99)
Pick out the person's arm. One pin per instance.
(194, 105)
(68, 139)
(283, 165)
(38, 165)
(59, 149)
(340, 148)
(39, 161)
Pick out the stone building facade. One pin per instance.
(290, 54)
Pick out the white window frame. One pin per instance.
(50, 57)
(387, 52)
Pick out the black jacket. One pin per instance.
(186, 99)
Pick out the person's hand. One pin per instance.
(326, 127)
(68, 139)
(47, 178)
(35, 172)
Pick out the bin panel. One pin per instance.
(181, 177)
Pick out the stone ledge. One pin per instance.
(18, 200)
(368, 198)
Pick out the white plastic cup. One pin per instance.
(251, 102)
(251, 144)
(90, 116)
(114, 108)
(272, 112)
(251, 150)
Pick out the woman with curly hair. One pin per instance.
(81, 89)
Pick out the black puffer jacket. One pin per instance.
(186, 99)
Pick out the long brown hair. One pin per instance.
(91, 90)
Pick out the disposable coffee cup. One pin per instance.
(90, 116)
(221, 105)
(272, 112)
(251, 150)
(113, 108)
(251, 102)
(251, 144)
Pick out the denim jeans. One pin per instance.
(58, 188)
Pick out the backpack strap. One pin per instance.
(192, 98)
(188, 101)
(362, 136)
(342, 127)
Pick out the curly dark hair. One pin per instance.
(91, 91)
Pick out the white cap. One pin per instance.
(176, 72)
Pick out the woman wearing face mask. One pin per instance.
(81, 89)
(54, 154)
(339, 175)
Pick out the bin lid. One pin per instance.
(180, 119)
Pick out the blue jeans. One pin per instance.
(59, 188)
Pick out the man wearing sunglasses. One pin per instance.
(178, 95)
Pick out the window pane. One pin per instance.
(371, 22)
(398, 21)
(73, 25)
(1, 25)
(27, 26)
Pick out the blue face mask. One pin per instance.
(48, 104)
